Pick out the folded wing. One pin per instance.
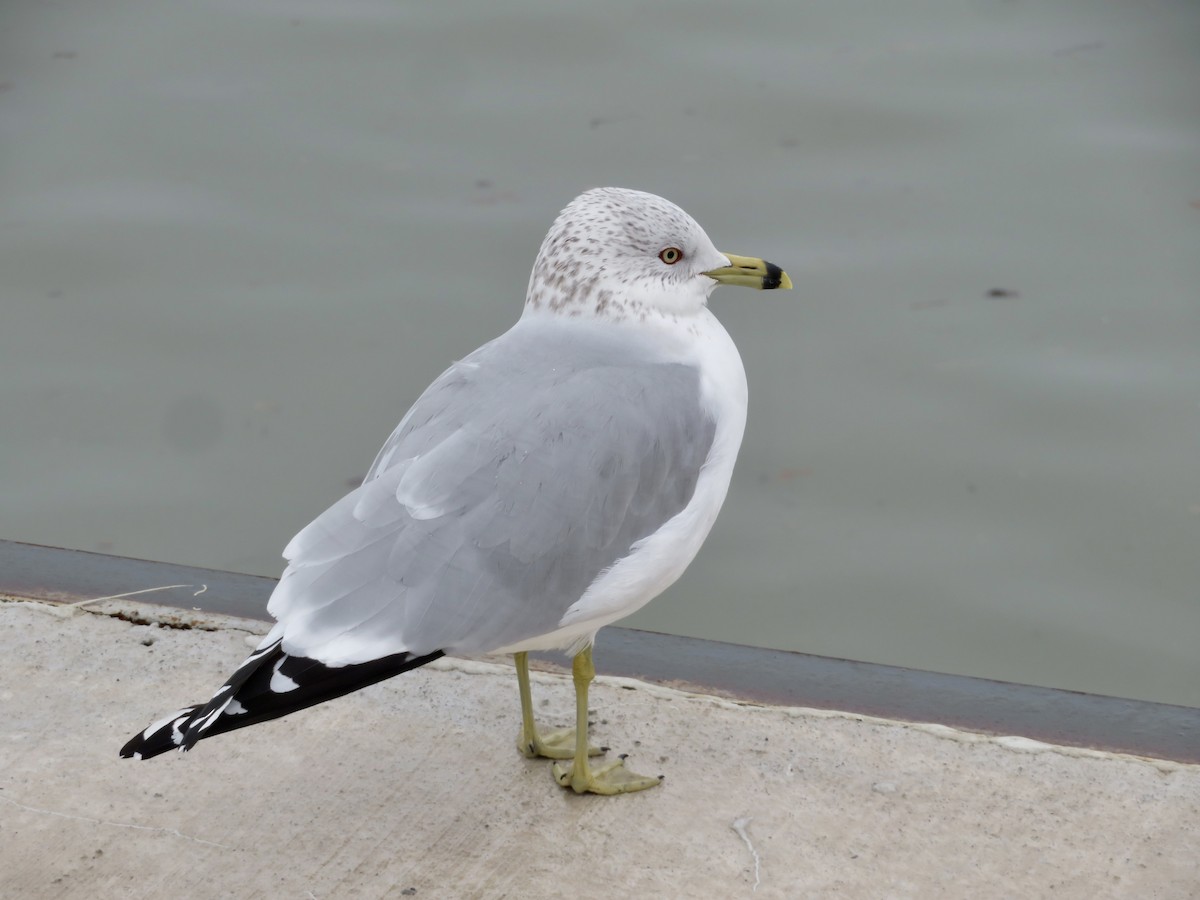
(519, 476)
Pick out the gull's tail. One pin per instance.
(269, 684)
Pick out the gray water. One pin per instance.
(237, 239)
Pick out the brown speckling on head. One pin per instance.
(601, 259)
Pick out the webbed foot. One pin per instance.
(611, 778)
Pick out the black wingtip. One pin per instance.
(156, 740)
(258, 701)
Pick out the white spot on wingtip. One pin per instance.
(173, 720)
(280, 683)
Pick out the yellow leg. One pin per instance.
(611, 778)
(556, 744)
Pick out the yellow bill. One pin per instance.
(749, 271)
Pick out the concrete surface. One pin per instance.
(414, 788)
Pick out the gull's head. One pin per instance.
(615, 253)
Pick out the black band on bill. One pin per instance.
(773, 278)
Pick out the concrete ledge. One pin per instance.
(413, 787)
(751, 673)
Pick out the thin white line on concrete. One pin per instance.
(739, 825)
(172, 831)
(165, 587)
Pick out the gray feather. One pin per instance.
(516, 479)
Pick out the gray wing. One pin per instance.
(518, 477)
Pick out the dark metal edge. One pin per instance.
(1138, 727)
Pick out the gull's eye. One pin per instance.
(671, 255)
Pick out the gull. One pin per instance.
(548, 484)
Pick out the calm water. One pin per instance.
(237, 239)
